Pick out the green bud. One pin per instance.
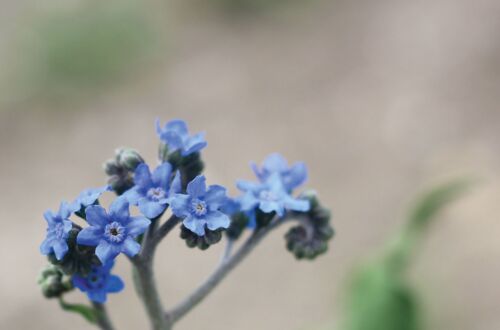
(202, 242)
(239, 222)
(54, 282)
(121, 169)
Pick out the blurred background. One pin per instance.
(382, 99)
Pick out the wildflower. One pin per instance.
(89, 197)
(58, 230)
(99, 282)
(112, 233)
(269, 196)
(176, 136)
(292, 176)
(201, 207)
(152, 190)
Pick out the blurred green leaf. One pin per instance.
(378, 295)
(89, 313)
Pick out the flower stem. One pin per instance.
(103, 320)
(219, 274)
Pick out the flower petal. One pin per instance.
(119, 209)
(275, 163)
(90, 236)
(197, 186)
(216, 220)
(296, 204)
(106, 251)
(60, 248)
(175, 186)
(161, 176)
(197, 226)
(151, 209)
(114, 284)
(270, 206)
(133, 195)
(178, 126)
(46, 246)
(215, 197)
(194, 144)
(296, 176)
(137, 226)
(50, 217)
(97, 296)
(130, 247)
(96, 216)
(142, 176)
(179, 205)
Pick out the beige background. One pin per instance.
(382, 99)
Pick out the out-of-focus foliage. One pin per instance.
(379, 296)
(74, 50)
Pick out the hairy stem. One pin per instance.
(103, 320)
(149, 293)
(219, 274)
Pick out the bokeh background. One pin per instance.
(382, 99)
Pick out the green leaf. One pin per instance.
(89, 313)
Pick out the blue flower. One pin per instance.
(269, 196)
(58, 229)
(89, 197)
(292, 176)
(112, 233)
(151, 191)
(201, 207)
(99, 282)
(176, 136)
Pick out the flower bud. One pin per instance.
(121, 169)
(310, 238)
(202, 242)
(239, 221)
(54, 282)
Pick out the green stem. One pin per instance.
(103, 320)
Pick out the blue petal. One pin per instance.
(50, 217)
(197, 226)
(245, 185)
(296, 176)
(196, 188)
(60, 248)
(194, 144)
(97, 296)
(275, 163)
(137, 226)
(216, 220)
(133, 195)
(173, 140)
(142, 176)
(79, 282)
(96, 216)
(176, 185)
(178, 126)
(89, 236)
(114, 284)
(294, 204)
(179, 204)
(119, 209)
(106, 251)
(161, 176)
(270, 206)
(65, 209)
(46, 247)
(130, 247)
(248, 201)
(151, 209)
(215, 197)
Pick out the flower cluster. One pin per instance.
(84, 238)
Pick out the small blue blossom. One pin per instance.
(292, 176)
(176, 136)
(269, 196)
(99, 282)
(89, 197)
(151, 191)
(201, 207)
(58, 229)
(112, 233)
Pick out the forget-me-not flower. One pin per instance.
(292, 176)
(151, 191)
(99, 282)
(89, 197)
(201, 206)
(176, 136)
(269, 196)
(113, 232)
(58, 229)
